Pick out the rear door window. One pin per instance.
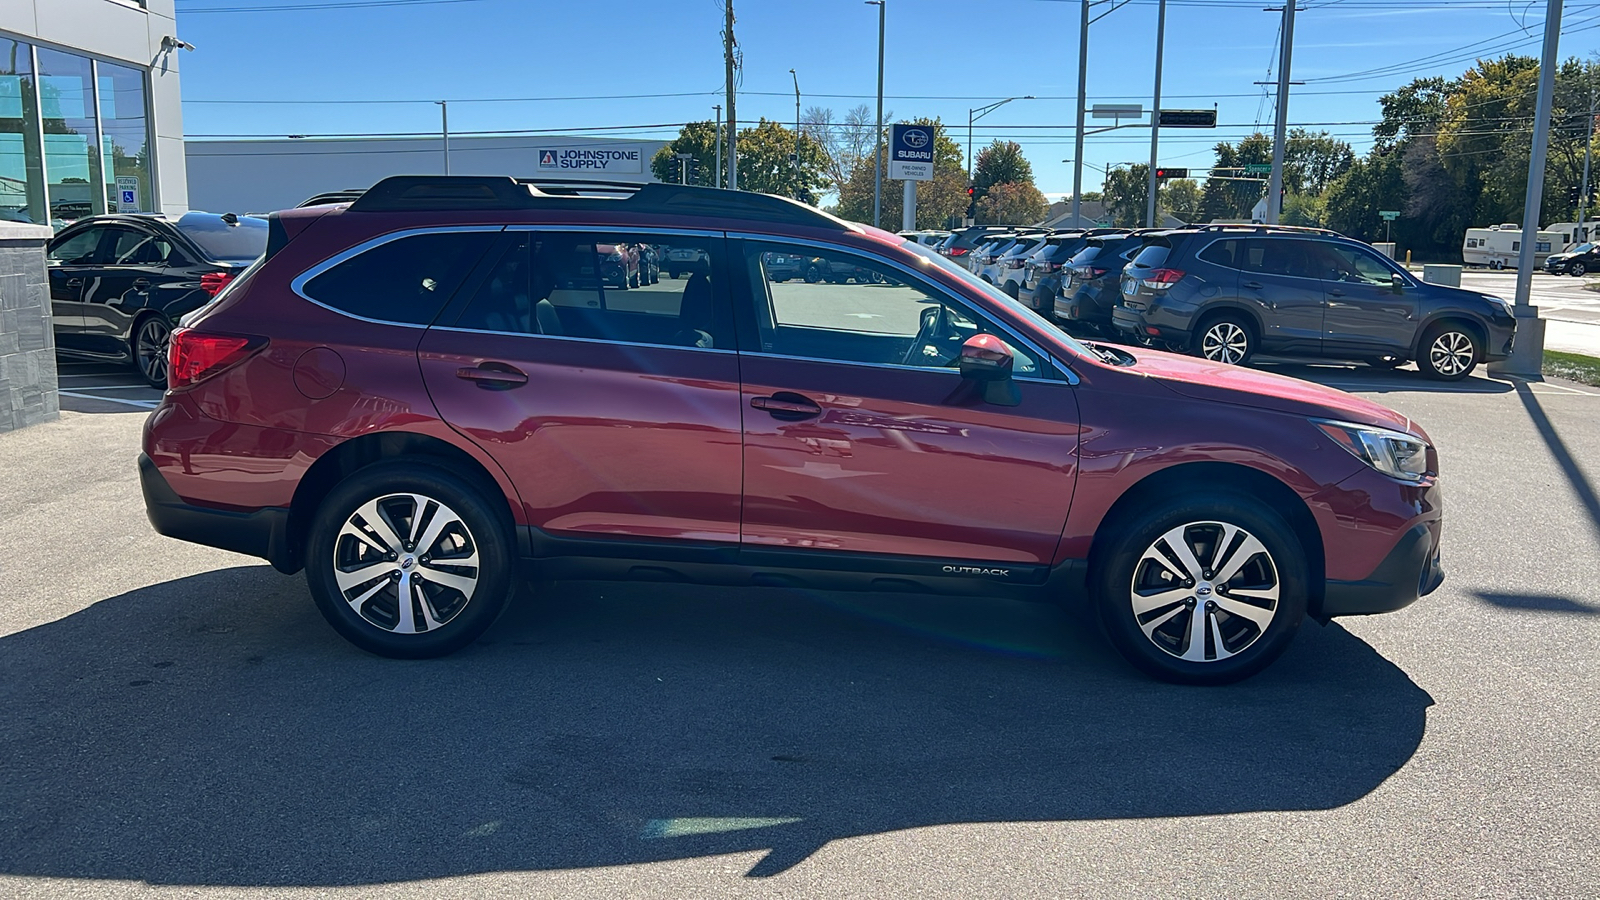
(1286, 257)
(406, 280)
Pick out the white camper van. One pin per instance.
(1499, 246)
(1570, 234)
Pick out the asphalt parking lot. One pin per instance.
(180, 722)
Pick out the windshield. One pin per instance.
(1581, 248)
(1000, 297)
(223, 242)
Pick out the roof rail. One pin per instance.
(486, 192)
(1264, 228)
(330, 197)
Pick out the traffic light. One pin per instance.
(1187, 118)
(1171, 173)
(972, 202)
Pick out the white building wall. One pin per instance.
(258, 176)
(125, 32)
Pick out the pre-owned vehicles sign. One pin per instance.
(911, 152)
(591, 159)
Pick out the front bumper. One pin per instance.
(1411, 570)
(262, 533)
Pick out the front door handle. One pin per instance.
(790, 407)
(493, 376)
(74, 282)
(1335, 292)
(1253, 285)
(141, 283)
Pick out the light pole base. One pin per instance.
(1527, 351)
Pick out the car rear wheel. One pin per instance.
(1226, 339)
(408, 561)
(1201, 589)
(1449, 352)
(148, 348)
(813, 275)
(1011, 290)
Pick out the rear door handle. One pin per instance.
(1253, 285)
(788, 406)
(1335, 292)
(141, 283)
(493, 376)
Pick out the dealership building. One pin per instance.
(90, 119)
(257, 176)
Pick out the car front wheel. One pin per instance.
(1449, 352)
(1226, 339)
(1203, 589)
(408, 561)
(149, 349)
(1578, 269)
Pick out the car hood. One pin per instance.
(1202, 379)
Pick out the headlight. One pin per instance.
(1504, 304)
(1393, 453)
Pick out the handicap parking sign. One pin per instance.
(128, 198)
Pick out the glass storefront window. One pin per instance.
(126, 137)
(21, 163)
(76, 180)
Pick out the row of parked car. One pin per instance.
(1227, 292)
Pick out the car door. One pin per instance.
(1367, 312)
(71, 262)
(1278, 280)
(615, 412)
(862, 438)
(132, 263)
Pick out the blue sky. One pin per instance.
(943, 57)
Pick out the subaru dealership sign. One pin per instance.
(911, 152)
(578, 160)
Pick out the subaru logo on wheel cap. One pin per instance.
(1204, 590)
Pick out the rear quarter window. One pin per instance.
(1224, 253)
(1152, 256)
(406, 280)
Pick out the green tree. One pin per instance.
(1181, 199)
(1126, 193)
(1355, 198)
(938, 201)
(1311, 161)
(765, 165)
(1001, 162)
(1012, 203)
(698, 138)
(1234, 199)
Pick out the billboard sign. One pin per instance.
(911, 152)
(581, 160)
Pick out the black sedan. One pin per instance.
(1580, 260)
(119, 282)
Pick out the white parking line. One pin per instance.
(142, 404)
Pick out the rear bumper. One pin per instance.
(262, 533)
(1411, 570)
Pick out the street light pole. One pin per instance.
(1281, 129)
(796, 134)
(974, 115)
(1583, 198)
(877, 138)
(1083, 101)
(444, 113)
(716, 177)
(1527, 351)
(1155, 116)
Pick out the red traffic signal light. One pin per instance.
(970, 189)
(1172, 173)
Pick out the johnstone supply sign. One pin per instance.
(911, 153)
(592, 159)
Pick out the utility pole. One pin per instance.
(1527, 351)
(1583, 198)
(444, 112)
(733, 118)
(877, 142)
(717, 176)
(1281, 129)
(1155, 116)
(796, 134)
(1083, 102)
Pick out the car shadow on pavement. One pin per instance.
(211, 730)
(1538, 603)
(1366, 379)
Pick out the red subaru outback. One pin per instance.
(431, 391)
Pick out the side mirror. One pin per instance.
(1398, 280)
(986, 364)
(985, 357)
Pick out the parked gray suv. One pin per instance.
(1226, 292)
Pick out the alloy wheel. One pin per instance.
(406, 563)
(1578, 269)
(150, 349)
(1205, 591)
(1452, 353)
(1225, 342)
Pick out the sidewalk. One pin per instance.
(1572, 336)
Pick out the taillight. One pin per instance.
(213, 282)
(193, 356)
(1161, 279)
(1054, 267)
(959, 251)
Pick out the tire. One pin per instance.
(1385, 362)
(453, 604)
(1449, 351)
(633, 280)
(813, 275)
(1578, 269)
(672, 273)
(1011, 290)
(1225, 338)
(147, 347)
(1254, 613)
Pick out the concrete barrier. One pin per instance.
(1387, 249)
(28, 384)
(1449, 276)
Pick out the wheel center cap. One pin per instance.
(1204, 589)
(408, 562)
